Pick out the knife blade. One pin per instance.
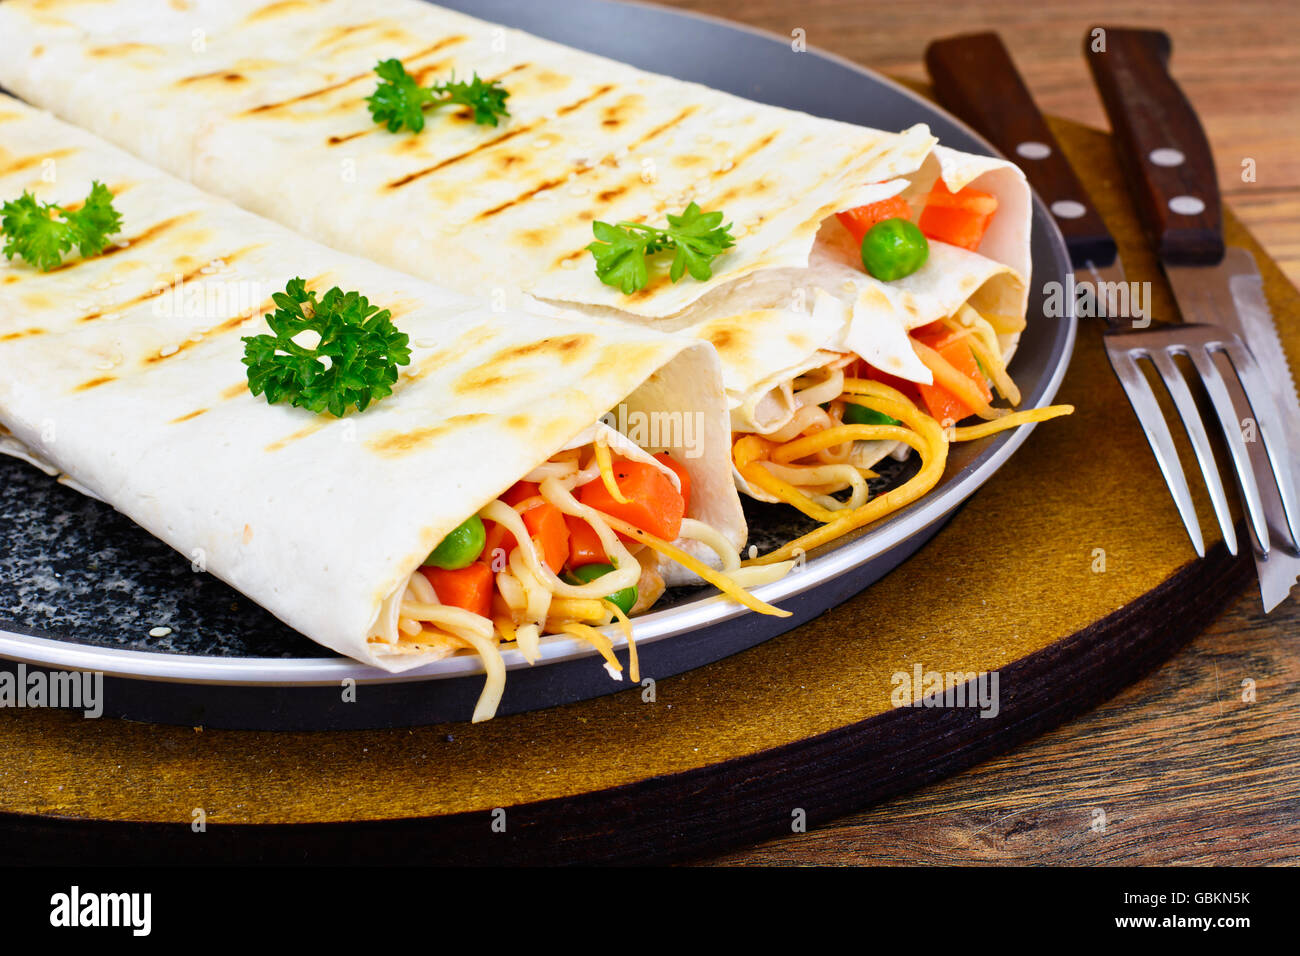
(974, 78)
(1256, 326)
(1170, 170)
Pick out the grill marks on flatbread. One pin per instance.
(139, 245)
(305, 432)
(116, 190)
(95, 383)
(189, 416)
(661, 207)
(375, 30)
(125, 50)
(159, 230)
(225, 76)
(497, 194)
(9, 167)
(490, 144)
(524, 197)
(310, 94)
(615, 115)
(662, 128)
(442, 44)
(149, 235)
(338, 139)
(452, 160)
(568, 102)
(155, 358)
(221, 328)
(272, 10)
(396, 444)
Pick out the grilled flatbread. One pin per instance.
(264, 102)
(123, 372)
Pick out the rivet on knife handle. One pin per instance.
(1163, 150)
(974, 77)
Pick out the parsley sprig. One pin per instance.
(362, 345)
(621, 249)
(42, 232)
(400, 101)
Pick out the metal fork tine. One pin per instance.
(1174, 381)
(1214, 301)
(1270, 428)
(1221, 397)
(1153, 424)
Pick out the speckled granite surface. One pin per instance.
(73, 568)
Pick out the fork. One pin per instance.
(1236, 398)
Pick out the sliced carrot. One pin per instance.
(860, 220)
(497, 545)
(519, 491)
(684, 476)
(469, 587)
(547, 528)
(943, 405)
(960, 218)
(545, 523)
(584, 543)
(908, 388)
(968, 198)
(654, 505)
(933, 335)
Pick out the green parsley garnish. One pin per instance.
(400, 101)
(363, 346)
(695, 236)
(32, 231)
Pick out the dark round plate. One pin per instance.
(81, 586)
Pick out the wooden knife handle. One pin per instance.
(974, 77)
(1162, 147)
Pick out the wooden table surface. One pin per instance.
(1200, 762)
(1177, 769)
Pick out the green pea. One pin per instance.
(461, 547)
(894, 248)
(861, 415)
(625, 599)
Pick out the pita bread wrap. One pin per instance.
(264, 102)
(123, 372)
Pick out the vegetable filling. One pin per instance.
(576, 544)
(820, 460)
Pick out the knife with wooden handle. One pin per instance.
(1170, 171)
(1166, 158)
(974, 78)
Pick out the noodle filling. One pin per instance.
(577, 544)
(848, 415)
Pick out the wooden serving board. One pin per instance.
(1068, 574)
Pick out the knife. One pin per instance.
(1170, 170)
(974, 78)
